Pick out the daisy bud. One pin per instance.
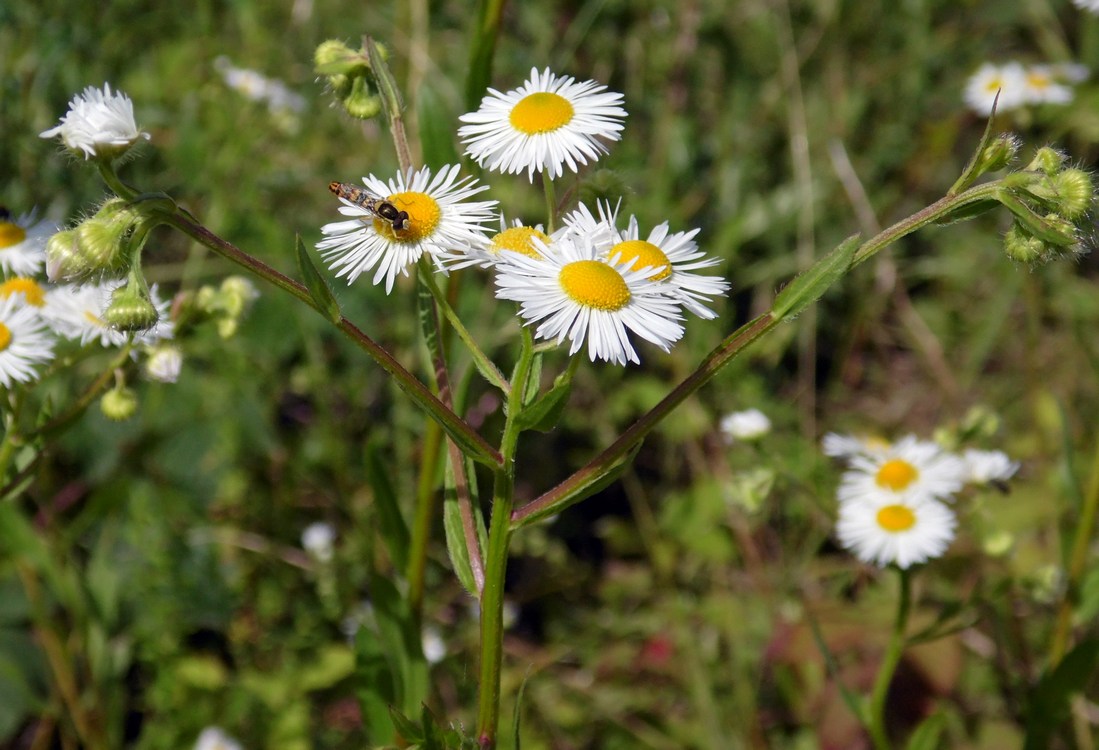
(1048, 160)
(62, 252)
(1024, 247)
(1075, 192)
(131, 309)
(362, 102)
(164, 363)
(998, 154)
(118, 404)
(333, 58)
(998, 543)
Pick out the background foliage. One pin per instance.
(666, 612)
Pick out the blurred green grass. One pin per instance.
(268, 431)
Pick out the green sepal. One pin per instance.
(808, 286)
(1037, 225)
(318, 288)
(406, 728)
(976, 166)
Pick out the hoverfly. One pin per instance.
(383, 209)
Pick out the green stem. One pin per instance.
(425, 514)
(1077, 564)
(875, 718)
(452, 424)
(551, 202)
(90, 393)
(499, 536)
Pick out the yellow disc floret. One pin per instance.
(894, 518)
(641, 254)
(5, 337)
(541, 112)
(424, 215)
(518, 240)
(32, 292)
(594, 284)
(11, 234)
(896, 474)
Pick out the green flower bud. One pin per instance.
(998, 154)
(998, 543)
(1023, 247)
(131, 309)
(334, 58)
(1075, 192)
(363, 103)
(62, 254)
(238, 293)
(1048, 160)
(118, 404)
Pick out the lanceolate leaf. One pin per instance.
(317, 286)
(810, 285)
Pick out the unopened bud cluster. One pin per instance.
(225, 305)
(1050, 201)
(350, 78)
(97, 248)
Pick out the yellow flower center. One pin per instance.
(896, 474)
(11, 234)
(541, 112)
(1038, 80)
(5, 337)
(894, 518)
(592, 283)
(644, 254)
(518, 239)
(994, 85)
(94, 319)
(29, 288)
(424, 215)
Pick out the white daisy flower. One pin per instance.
(747, 425)
(259, 88)
(1042, 86)
(848, 446)
(910, 470)
(440, 222)
(1092, 5)
(214, 738)
(547, 123)
(518, 238)
(1009, 80)
(25, 342)
(76, 312)
(164, 363)
(25, 289)
(673, 258)
(318, 539)
(1070, 72)
(902, 532)
(98, 123)
(23, 244)
(577, 295)
(986, 467)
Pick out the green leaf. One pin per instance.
(401, 638)
(406, 727)
(392, 524)
(545, 411)
(436, 129)
(433, 735)
(973, 169)
(482, 50)
(808, 286)
(317, 286)
(927, 734)
(517, 715)
(1049, 701)
(456, 544)
(376, 691)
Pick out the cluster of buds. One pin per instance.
(350, 77)
(225, 305)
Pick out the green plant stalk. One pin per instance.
(482, 50)
(1077, 564)
(875, 713)
(451, 423)
(550, 502)
(90, 393)
(551, 202)
(499, 536)
(422, 521)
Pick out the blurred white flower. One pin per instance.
(1043, 86)
(318, 539)
(98, 123)
(887, 531)
(1092, 5)
(910, 470)
(1007, 80)
(25, 342)
(985, 467)
(164, 363)
(23, 244)
(747, 425)
(76, 312)
(214, 738)
(433, 645)
(259, 88)
(848, 446)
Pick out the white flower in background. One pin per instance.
(747, 425)
(318, 539)
(574, 294)
(1042, 86)
(98, 123)
(546, 124)
(214, 738)
(1009, 80)
(910, 470)
(25, 342)
(259, 88)
(76, 312)
(848, 446)
(164, 363)
(1092, 5)
(986, 467)
(433, 645)
(23, 244)
(1069, 72)
(440, 221)
(903, 532)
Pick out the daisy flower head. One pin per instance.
(25, 289)
(99, 123)
(76, 312)
(164, 363)
(1007, 80)
(517, 238)
(895, 531)
(988, 467)
(544, 125)
(574, 293)
(1044, 87)
(25, 342)
(23, 244)
(909, 470)
(847, 447)
(747, 425)
(440, 221)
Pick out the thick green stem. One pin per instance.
(875, 718)
(455, 426)
(1084, 529)
(499, 536)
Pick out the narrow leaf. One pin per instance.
(543, 414)
(811, 284)
(927, 734)
(394, 529)
(517, 716)
(1049, 702)
(436, 128)
(406, 727)
(317, 286)
(456, 545)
